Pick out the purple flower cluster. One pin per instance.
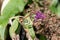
(39, 15)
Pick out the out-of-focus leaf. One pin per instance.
(13, 7)
(42, 37)
(37, 0)
(3, 24)
(58, 11)
(10, 10)
(53, 9)
(28, 25)
(53, 2)
(53, 5)
(30, 1)
(13, 28)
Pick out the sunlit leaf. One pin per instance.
(10, 10)
(13, 28)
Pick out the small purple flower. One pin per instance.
(39, 15)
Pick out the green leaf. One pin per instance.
(10, 10)
(2, 30)
(30, 1)
(27, 24)
(53, 9)
(13, 7)
(42, 37)
(13, 28)
(18, 29)
(53, 2)
(58, 10)
(53, 5)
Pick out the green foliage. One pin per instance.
(11, 9)
(53, 2)
(58, 10)
(13, 27)
(28, 25)
(42, 37)
(53, 5)
(15, 6)
(54, 8)
(30, 1)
